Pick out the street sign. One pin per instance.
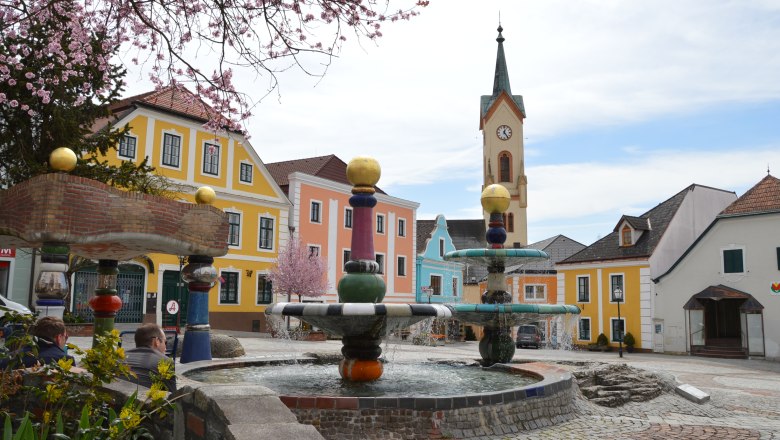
(172, 307)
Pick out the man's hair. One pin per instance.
(145, 333)
(48, 327)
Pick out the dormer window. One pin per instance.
(625, 236)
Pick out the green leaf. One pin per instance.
(7, 428)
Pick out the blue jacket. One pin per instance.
(48, 352)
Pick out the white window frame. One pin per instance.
(251, 172)
(383, 265)
(257, 296)
(611, 290)
(240, 228)
(587, 277)
(455, 289)
(162, 149)
(400, 266)
(351, 217)
(723, 259)
(273, 232)
(312, 247)
(590, 329)
(612, 328)
(402, 227)
(132, 158)
(238, 288)
(319, 204)
(382, 224)
(535, 298)
(218, 146)
(442, 247)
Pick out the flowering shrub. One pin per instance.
(56, 399)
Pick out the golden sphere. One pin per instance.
(363, 171)
(495, 198)
(62, 159)
(205, 196)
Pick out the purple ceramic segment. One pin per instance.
(363, 234)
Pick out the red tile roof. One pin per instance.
(763, 197)
(327, 167)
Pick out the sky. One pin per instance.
(627, 104)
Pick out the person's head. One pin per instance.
(52, 329)
(150, 335)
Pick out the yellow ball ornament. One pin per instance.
(363, 171)
(205, 196)
(62, 159)
(495, 198)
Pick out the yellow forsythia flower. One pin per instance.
(113, 431)
(130, 418)
(165, 369)
(53, 393)
(120, 352)
(46, 417)
(65, 364)
(156, 392)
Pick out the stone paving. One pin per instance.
(744, 404)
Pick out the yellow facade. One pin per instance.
(250, 257)
(598, 306)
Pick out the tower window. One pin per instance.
(505, 167)
(510, 227)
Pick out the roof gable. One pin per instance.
(175, 99)
(763, 197)
(608, 247)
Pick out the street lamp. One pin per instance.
(618, 295)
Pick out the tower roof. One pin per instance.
(500, 82)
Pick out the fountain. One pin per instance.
(360, 318)
(497, 315)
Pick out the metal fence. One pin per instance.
(129, 286)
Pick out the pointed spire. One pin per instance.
(501, 80)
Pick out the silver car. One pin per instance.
(8, 305)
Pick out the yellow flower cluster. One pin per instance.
(130, 417)
(156, 392)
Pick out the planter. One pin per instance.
(80, 329)
(594, 347)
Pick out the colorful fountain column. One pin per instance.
(496, 344)
(200, 276)
(362, 283)
(52, 285)
(106, 303)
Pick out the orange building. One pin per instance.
(322, 220)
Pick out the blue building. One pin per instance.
(438, 281)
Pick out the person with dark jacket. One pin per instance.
(144, 359)
(50, 337)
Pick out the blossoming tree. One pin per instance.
(192, 41)
(299, 272)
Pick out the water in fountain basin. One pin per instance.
(402, 380)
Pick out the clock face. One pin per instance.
(504, 132)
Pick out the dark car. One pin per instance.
(528, 336)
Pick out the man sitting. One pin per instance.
(50, 337)
(148, 352)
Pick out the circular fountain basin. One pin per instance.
(360, 319)
(398, 380)
(486, 257)
(509, 315)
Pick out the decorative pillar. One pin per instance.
(105, 303)
(200, 276)
(52, 285)
(362, 282)
(496, 344)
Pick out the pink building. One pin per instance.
(322, 219)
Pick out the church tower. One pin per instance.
(501, 118)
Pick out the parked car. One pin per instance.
(8, 305)
(528, 336)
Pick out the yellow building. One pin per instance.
(624, 262)
(166, 126)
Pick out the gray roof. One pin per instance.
(424, 230)
(638, 223)
(558, 247)
(608, 248)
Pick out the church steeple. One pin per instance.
(501, 81)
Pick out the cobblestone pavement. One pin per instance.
(744, 403)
